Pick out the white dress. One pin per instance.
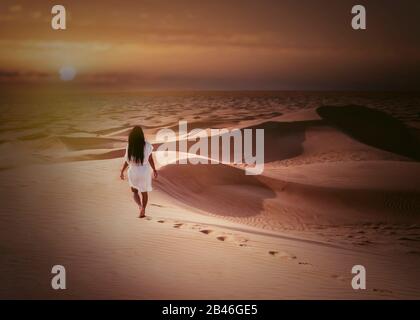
(140, 175)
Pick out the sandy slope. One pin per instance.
(327, 201)
(178, 253)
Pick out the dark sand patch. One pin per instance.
(374, 128)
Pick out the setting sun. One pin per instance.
(67, 73)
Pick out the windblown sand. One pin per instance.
(329, 199)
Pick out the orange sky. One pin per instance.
(214, 44)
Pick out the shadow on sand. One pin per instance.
(218, 189)
(373, 127)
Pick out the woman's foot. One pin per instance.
(142, 212)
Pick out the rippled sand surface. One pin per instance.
(340, 187)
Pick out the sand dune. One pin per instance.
(97, 155)
(125, 131)
(293, 139)
(334, 193)
(373, 127)
(217, 189)
(83, 143)
(308, 141)
(109, 253)
(310, 194)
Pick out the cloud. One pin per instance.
(54, 45)
(23, 76)
(243, 41)
(15, 8)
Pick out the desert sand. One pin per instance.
(330, 197)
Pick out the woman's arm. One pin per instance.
(152, 164)
(125, 165)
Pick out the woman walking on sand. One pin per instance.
(138, 158)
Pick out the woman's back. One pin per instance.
(148, 148)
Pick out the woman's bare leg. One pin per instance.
(144, 199)
(136, 196)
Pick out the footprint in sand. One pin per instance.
(282, 254)
(157, 205)
(238, 239)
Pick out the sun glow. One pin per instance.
(67, 73)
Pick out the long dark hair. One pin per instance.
(136, 144)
